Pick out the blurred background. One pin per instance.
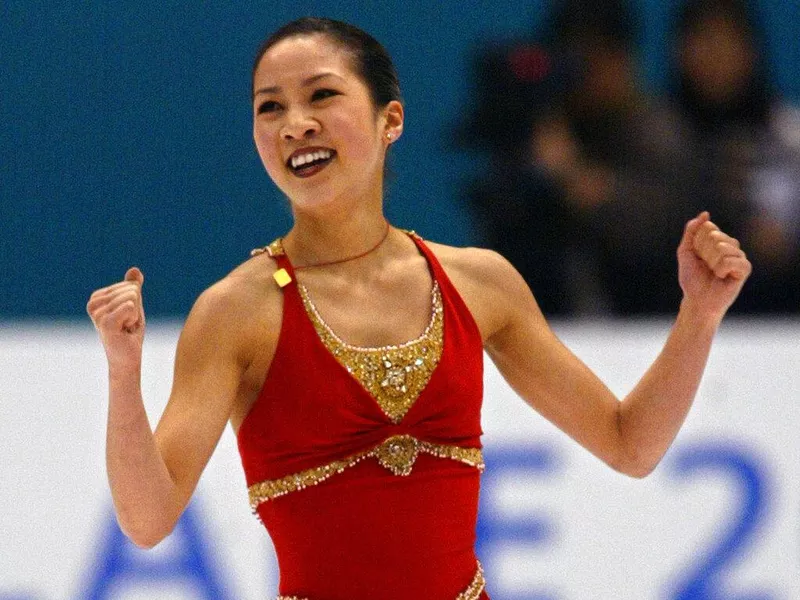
(574, 137)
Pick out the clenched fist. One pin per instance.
(118, 315)
(712, 268)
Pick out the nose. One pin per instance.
(299, 125)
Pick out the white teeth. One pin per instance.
(300, 160)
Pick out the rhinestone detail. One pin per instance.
(473, 591)
(394, 375)
(396, 454)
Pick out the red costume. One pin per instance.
(364, 463)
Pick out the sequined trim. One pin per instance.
(473, 591)
(394, 375)
(397, 454)
(476, 586)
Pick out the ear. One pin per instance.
(393, 117)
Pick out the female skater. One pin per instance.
(347, 355)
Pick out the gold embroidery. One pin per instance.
(394, 375)
(476, 586)
(396, 454)
(473, 591)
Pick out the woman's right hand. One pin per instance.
(117, 312)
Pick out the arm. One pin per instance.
(633, 435)
(152, 476)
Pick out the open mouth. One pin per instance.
(306, 164)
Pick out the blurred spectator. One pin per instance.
(520, 208)
(745, 140)
(585, 191)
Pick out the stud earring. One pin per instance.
(389, 136)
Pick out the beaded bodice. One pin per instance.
(369, 456)
(393, 375)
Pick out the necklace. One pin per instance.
(349, 258)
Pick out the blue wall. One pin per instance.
(125, 134)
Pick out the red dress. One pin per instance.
(364, 464)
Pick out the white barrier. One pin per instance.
(719, 519)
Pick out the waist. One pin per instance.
(366, 531)
(474, 591)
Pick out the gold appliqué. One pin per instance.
(473, 591)
(394, 375)
(396, 454)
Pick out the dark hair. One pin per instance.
(753, 105)
(612, 23)
(694, 12)
(371, 61)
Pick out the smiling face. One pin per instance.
(315, 125)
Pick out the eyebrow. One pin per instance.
(306, 82)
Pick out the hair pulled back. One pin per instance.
(371, 61)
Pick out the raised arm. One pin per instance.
(633, 435)
(152, 476)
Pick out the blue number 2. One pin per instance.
(704, 581)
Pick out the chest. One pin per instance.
(382, 316)
(338, 393)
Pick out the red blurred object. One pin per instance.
(530, 63)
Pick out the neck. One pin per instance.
(315, 241)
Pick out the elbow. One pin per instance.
(633, 465)
(636, 460)
(147, 534)
(637, 471)
(144, 542)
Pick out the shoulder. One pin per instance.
(482, 265)
(248, 284)
(491, 286)
(235, 310)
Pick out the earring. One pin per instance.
(389, 136)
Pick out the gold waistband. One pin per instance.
(397, 454)
(473, 591)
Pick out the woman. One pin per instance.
(362, 448)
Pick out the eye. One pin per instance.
(267, 107)
(323, 93)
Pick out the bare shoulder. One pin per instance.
(490, 285)
(239, 307)
(487, 266)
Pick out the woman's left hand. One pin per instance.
(712, 268)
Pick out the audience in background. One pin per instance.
(590, 180)
(520, 209)
(607, 158)
(744, 140)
